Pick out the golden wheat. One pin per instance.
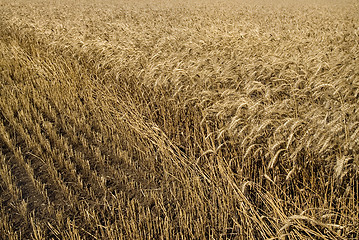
(172, 120)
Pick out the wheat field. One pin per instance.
(168, 119)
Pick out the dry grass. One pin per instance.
(168, 120)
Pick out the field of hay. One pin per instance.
(170, 119)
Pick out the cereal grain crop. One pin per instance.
(167, 119)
